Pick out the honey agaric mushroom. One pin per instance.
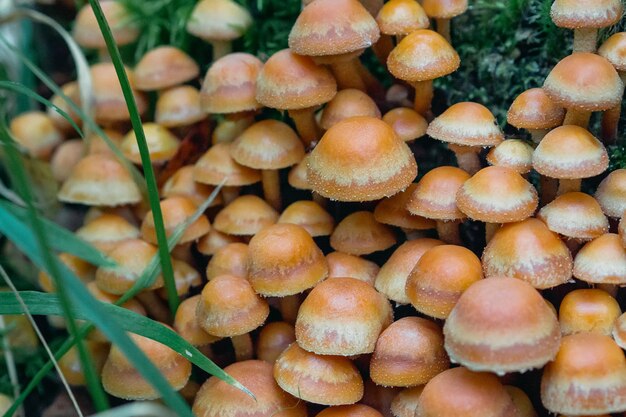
(36, 133)
(586, 17)
(514, 332)
(393, 211)
(418, 59)
(164, 67)
(611, 194)
(392, 276)
(309, 215)
(273, 339)
(245, 216)
(65, 157)
(353, 410)
(570, 153)
(398, 18)
(619, 331)
(268, 145)
(377, 165)
(512, 153)
(231, 259)
(439, 278)
(529, 251)
(614, 50)
(162, 144)
(348, 103)
(534, 111)
(521, 401)
(588, 310)
(210, 243)
(295, 83)
(583, 83)
(588, 376)
(345, 265)
(404, 403)
(575, 215)
(466, 127)
(71, 90)
(83, 270)
(176, 211)
(219, 22)
(71, 366)
(602, 261)
(188, 327)
(360, 234)
(178, 107)
(319, 379)
(443, 11)
(342, 316)
(106, 231)
(407, 123)
(182, 184)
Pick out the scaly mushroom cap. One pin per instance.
(187, 325)
(231, 259)
(106, 231)
(434, 196)
(176, 210)
(584, 81)
(348, 103)
(333, 27)
(588, 310)
(100, 180)
(392, 276)
(87, 32)
(407, 123)
(162, 144)
(497, 195)
(230, 84)
(289, 81)
(533, 109)
(393, 211)
(360, 234)
(577, 14)
(401, 17)
(588, 376)
(422, 55)
(445, 9)
(576, 215)
(245, 216)
(376, 165)
(513, 331)
(273, 339)
(284, 260)
(611, 193)
(310, 216)
(467, 124)
(602, 261)
(217, 398)
(409, 352)
(570, 152)
(222, 20)
(614, 50)
(163, 67)
(268, 144)
(216, 165)
(342, 316)
(354, 410)
(179, 106)
(513, 153)
(529, 251)
(36, 132)
(320, 379)
(344, 265)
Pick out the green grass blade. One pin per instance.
(153, 190)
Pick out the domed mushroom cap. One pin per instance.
(310, 216)
(360, 234)
(404, 404)
(162, 144)
(521, 401)
(72, 91)
(218, 20)
(284, 260)
(231, 259)
(65, 157)
(106, 230)
(392, 276)
(210, 243)
(216, 165)
(230, 84)
(407, 123)
(409, 352)
(611, 193)
(348, 103)
(176, 211)
(529, 251)
(342, 316)
(570, 152)
(422, 55)
(273, 339)
(468, 124)
(393, 211)
(87, 32)
(501, 325)
(576, 215)
(354, 410)
(268, 144)
(163, 67)
(333, 27)
(461, 392)
(320, 379)
(376, 165)
(297, 176)
(401, 17)
(36, 132)
(602, 261)
(179, 106)
(434, 196)
(497, 195)
(584, 81)
(344, 265)
(614, 50)
(99, 180)
(619, 331)
(445, 9)
(182, 184)
(577, 14)
(108, 97)
(188, 327)
(533, 109)
(588, 310)
(289, 81)
(245, 216)
(217, 398)
(512, 153)
(588, 376)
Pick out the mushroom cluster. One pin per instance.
(324, 277)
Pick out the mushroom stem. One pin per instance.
(243, 347)
(610, 288)
(154, 306)
(537, 134)
(549, 187)
(347, 75)
(373, 87)
(568, 185)
(585, 40)
(610, 120)
(577, 117)
(229, 194)
(383, 48)
(443, 28)
(423, 96)
(448, 231)
(490, 230)
(271, 187)
(220, 49)
(306, 125)
(289, 307)
(466, 158)
(323, 202)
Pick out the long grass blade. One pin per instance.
(10, 362)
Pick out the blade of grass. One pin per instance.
(153, 190)
(10, 362)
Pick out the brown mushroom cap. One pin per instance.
(611, 193)
(513, 331)
(245, 216)
(217, 397)
(182, 184)
(401, 17)
(512, 153)
(576, 215)
(377, 165)
(87, 32)
(570, 152)
(521, 401)
(354, 410)
(393, 211)
(348, 103)
(588, 310)
(298, 177)
(108, 98)
(529, 251)
(320, 379)
(83, 270)
(231, 259)
(619, 331)
(533, 109)
(163, 67)
(187, 325)
(404, 403)
(342, 316)
(65, 158)
(445, 9)
(176, 211)
(274, 338)
(333, 27)
(602, 261)
(309, 215)
(289, 81)
(467, 124)
(344, 265)
(434, 196)
(36, 132)
(179, 106)
(588, 376)
(614, 50)
(106, 231)
(422, 55)
(577, 14)
(162, 144)
(216, 165)
(218, 20)
(407, 123)
(584, 81)
(72, 91)
(360, 234)
(497, 195)
(214, 240)
(71, 366)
